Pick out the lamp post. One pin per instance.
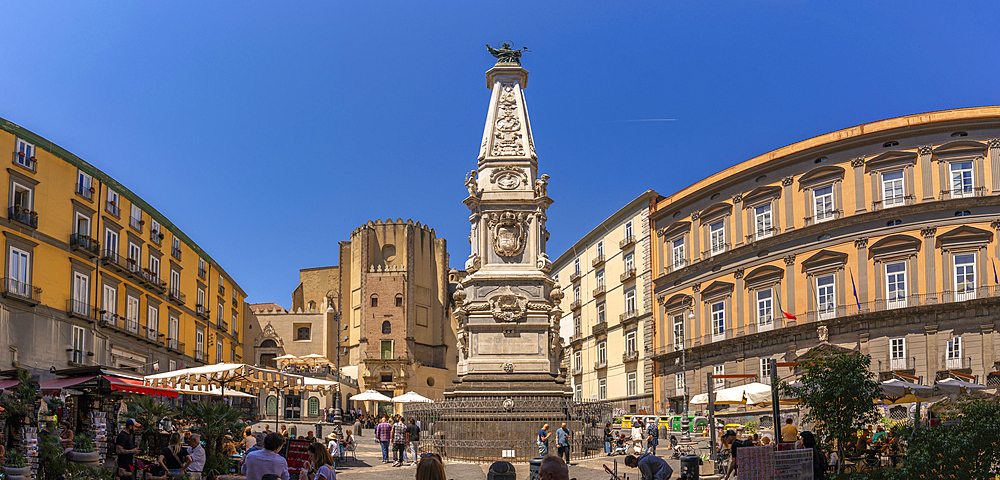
(685, 422)
(338, 418)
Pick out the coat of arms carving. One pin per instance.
(509, 232)
(508, 307)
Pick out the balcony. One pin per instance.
(22, 291)
(23, 215)
(893, 202)
(153, 336)
(175, 295)
(22, 160)
(236, 336)
(151, 280)
(677, 265)
(124, 325)
(575, 305)
(136, 223)
(82, 310)
(112, 207)
(576, 338)
(599, 291)
(626, 242)
(823, 217)
(956, 363)
(223, 325)
(597, 261)
(155, 236)
(222, 290)
(199, 356)
(113, 260)
(578, 370)
(202, 312)
(598, 365)
(133, 266)
(175, 345)
(599, 328)
(85, 191)
(176, 252)
(762, 234)
(84, 244)
(630, 356)
(627, 275)
(628, 316)
(202, 273)
(963, 193)
(716, 250)
(575, 276)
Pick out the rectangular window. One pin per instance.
(19, 273)
(135, 219)
(576, 266)
(222, 286)
(232, 354)
(154, 231)
(628, 230)
(897, 353)
(82, 225)
(630, 343)
(199, 344)
(153, 322)
(601, 313)
(633, 385)
(154, 266)
(578, 361)
(600, 278)
(679, 383)
(112, 204)
(111, 244)
(717, 233)
(576, 293)
(134, 254)
(386, 349)
(602, 389)
(629, 261)
(79, 344)
(893, 193)
(953, 355)
(965, 276)
(763, 222)
(110, 303)
(718, 321)
(201, 300)
(719, 382)
(81, 294)
(172, 365)
(219, 314)
(176, 250)
(823, 208)
(577, 325)
(677, 252)
(20, 198)
(84, 183)
(234, 324)
(895, 285)
(173, 330)
(218, 351)
(25, 155)
(602, 353)
(630, 301)
(132, 314)
(678, 332)
(961, 179)
(579, 393)
(826, 304)
(175, 282)
(600, 248)
(765, 309)
(201, 268)
(765, 370)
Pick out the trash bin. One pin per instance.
(501, 471)
(534, 465)
(690, 465)
(319, 429)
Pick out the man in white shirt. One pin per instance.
(197, 453)
(265, 461)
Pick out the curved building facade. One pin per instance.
(880, 238)
(94, 275)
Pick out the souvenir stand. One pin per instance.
(21, 430)
(297, 457)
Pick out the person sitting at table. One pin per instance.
(174, 457)
(66, 437)
(879, 435)
(349, 442)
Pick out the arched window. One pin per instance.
(271, 405)
(374, 300)
(399, 299)
(312, 305)
(386, 327)
(268, 344)
(313, 406)
(302, 333)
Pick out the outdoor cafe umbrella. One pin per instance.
(314, 359)
(287, 359)
(899, 391)
(371, 396)
(751, 393)
(952, 386)
(411, 397)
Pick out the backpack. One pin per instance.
(653, 430)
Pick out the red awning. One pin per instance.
(5, 384)
(53, 387)
(136, 386)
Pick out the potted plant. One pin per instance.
(161, 236)
(92, 190)
(16, 466)
(83, 450)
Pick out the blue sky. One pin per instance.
(269, 130)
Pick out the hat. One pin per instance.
(131, 422)
(332, 436)
(730, 432)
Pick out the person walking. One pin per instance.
(637, 436)
(414, 436)
(383, 434)
(399, 433)
(125, 446)
(562, 442)
(650, 467)
(652, 436)
(266, 461)
(543, 441)
(608, 438)
(197, 454)
(789, 434)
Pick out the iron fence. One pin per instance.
(486, 429)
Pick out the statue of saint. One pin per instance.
(472, 184)
(505, 54)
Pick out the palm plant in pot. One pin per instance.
(15, 465)
(83, 450)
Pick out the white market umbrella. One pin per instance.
(215, 391)
(699, 399)
(900, 391)
(287, 359)
(371, 396)
(951, 386)
(225, 376)
(751, 394)
(410, 397)
(314, 358)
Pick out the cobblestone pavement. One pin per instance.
(369, 466)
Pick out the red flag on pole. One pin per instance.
(787, 315)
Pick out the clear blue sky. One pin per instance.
(269, 130)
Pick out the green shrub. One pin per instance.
(15, 459)
(83, 444)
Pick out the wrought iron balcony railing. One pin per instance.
(23, 215)
(84, 243)
(626, 242)
(23, 291)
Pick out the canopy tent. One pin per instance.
(216, 392)
(5, 384)
(112, 382)
(749, 394)
(899, 391)
(411, 397)
(227, 376)
(952, 386)
(314, 359)
(288, 359)
(370, 396)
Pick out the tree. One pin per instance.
(840, 392)
(149, 412)
(213, 421)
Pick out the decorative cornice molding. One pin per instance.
(860, 243)
(928, 232)
(858, 162)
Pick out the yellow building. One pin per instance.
(608, 326)
(96, 276)
(903, 212)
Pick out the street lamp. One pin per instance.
(338, 418)
(685, 422)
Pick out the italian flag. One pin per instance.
(787, 315)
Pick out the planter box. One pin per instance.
(79, 457)
(16, 472)
(707, 468)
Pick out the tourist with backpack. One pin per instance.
(652, 436)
